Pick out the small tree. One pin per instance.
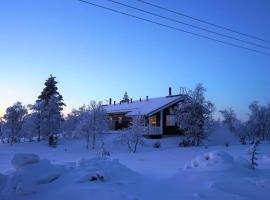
(134, 134)
(93, 120)
(193, 115)
(253, 153)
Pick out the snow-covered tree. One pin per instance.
(193, 115)
(125, 97)
(13, 121)
(70, 123)
(229, 119)
(133, 136)
(30, 126)
(253, 154)
(50, 105)
(258, 124)
(93, 120)
(38, 108)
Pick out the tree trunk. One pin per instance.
(87, 141)
(94, 141)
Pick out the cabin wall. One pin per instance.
(169, 129)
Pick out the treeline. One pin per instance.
(194, 116)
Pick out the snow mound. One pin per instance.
(20, 160)
(31, 173)
(215, 160)
(110, 170)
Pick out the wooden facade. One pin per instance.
(158, 122)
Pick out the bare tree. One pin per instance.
(133, 136)
(93, 120)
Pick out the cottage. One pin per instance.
(157, 114)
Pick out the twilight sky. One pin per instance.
(96, 54)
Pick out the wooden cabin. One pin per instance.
(157, 114)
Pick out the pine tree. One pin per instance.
(125, 97)
(49, 91)
(49, 106)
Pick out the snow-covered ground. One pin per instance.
(170, 172)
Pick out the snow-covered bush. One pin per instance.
(133, 136)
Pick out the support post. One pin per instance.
(161, 122)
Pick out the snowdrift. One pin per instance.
(215, 160)
(34, 178)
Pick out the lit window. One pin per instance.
(153, 120)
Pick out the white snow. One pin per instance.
(169, 172)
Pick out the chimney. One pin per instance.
(140, 99)
(170, 91)
(146, 98)
(131, 100)
(113, 102)
(110, 101)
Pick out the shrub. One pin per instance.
(157, 144)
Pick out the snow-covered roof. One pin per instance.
(143, 107)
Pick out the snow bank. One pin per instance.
(35, 178)
(111, 170)
(31, 173)
(215, 160)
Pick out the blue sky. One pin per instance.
(96, 54)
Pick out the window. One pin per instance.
(153, 120)
(170, 120)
